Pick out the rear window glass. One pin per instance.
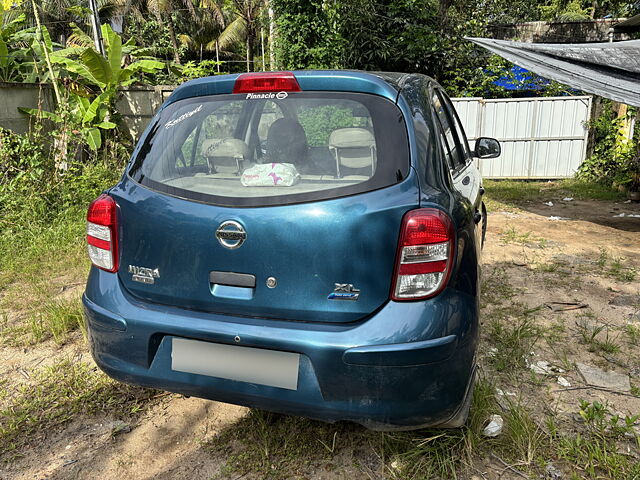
(247, 150)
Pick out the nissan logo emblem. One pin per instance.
(230, 234)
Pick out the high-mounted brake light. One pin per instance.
(425, 255)
(102, 233)
(266, 82)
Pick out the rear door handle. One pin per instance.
(233, 279)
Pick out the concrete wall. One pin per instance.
(558, 32)
(28, 95)
(137, 105)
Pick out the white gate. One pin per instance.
(542, 137)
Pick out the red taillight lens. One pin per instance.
(102, 233)
(266, 82)
(425, 254)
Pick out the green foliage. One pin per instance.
(596, 451)
(19, 50)
(565, 11)
(613, 162)
(80, 114)
(34, 189)
(205, 68)
(307, 34)
(319, 122)
(107, 73)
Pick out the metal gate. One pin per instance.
(542, 137)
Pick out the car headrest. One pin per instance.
(286, 142)
(352, 137)
(353, 147)
(226, 147)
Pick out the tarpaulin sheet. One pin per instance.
(610, 70)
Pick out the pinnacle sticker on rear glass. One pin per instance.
(266, 96)
(183, 117)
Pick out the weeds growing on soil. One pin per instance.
(512, 235)
(615, 267)
(56, 394)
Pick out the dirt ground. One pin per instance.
(584, 261)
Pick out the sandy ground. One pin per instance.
(169, 440)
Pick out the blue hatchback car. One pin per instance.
(301, 242)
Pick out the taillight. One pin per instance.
(102, 233)
(425, 255)
(266, 82)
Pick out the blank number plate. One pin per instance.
(244, 364)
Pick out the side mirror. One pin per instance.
(487, 148)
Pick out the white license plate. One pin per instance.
(245, 364)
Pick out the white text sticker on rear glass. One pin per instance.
(182, 117)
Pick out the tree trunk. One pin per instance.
(172, 35)
(442, 12)
(272, 39)
(251, 38)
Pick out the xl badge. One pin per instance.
(144, 274)
(344, 291)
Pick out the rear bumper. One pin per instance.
(407, 366)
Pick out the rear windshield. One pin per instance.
(274, 149)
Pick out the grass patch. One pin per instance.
(270, 445)
(633, 334)
(496, 287)
(36, 264)
(522, 191)
(513, 235)
(57, 394)
(596, 452)
(513, 332)
(440, 453)
(596, 336)
(615, 267)
(56, 320)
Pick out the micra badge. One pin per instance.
(344, 291)
(144, 274)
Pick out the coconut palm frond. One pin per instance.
(185, 40)
(232, 35)
(163, 6)
(215, 9)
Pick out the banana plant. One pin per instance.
(90, 71)
(14, 53)
(106, 73)
(86, 117)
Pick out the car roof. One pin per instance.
(386, 84)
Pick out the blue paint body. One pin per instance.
(384, 364)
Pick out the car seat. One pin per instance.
(353, 148)
(286, 143)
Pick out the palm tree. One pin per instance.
(249, 12)
(58, 15)
(215, 30)
(163, 11)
